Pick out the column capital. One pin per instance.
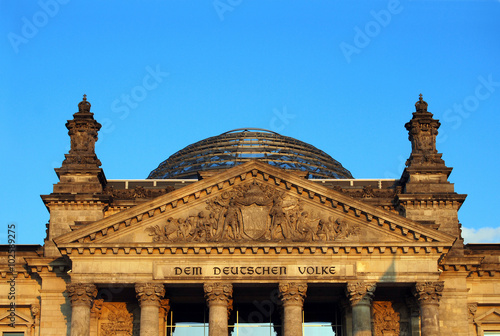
(428, 292)
(81, 294)
(218, 293)
(149, 293)
(292, 293)
(360, 292)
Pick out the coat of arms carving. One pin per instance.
(253, 212)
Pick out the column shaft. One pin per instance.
(361, 294)
(218, 296)
(80, 321)
(292, 297)
(149, 296)
(430, 323)
(217, 320)
(361, 320)
(292, 320)
(428, 295)
(81, 297)
(149, 320)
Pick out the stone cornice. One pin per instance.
(44, 265)
(436, 201)
(485, 270)
(259, 248)
(460, 264)
(254, 169)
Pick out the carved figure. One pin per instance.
(232, 221)
(253, 212)
(279, 221)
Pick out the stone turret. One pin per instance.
(427, 195)
(77, 198)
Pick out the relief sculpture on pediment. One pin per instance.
(253, 212)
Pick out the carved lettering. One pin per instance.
(188, 271)
(317, 270)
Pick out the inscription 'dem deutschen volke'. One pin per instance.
(251, 270)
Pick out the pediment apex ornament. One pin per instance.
(421, 105)
(428, 292)
(254, 212)
(84, 105)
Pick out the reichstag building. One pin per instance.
(252, 233)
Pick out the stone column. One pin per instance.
(292, 295)
(81, 296)
(361, 294)
(149, 296)
(428, 295)
(218, 296)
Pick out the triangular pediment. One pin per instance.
(491, 316)
(20, 318)
(254, 203)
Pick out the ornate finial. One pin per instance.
(84, 105)
(421, 105)
(85, 97)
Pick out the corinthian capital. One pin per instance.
(360, 292)
(149, 293)
(218, 293)
(81, 293)
(428, 292)
(292, 293)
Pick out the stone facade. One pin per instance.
(253, 243)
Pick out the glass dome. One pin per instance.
(241, 145)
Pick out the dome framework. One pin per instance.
(241, 145)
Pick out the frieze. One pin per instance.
(139, 192)
(369, 192)
(253, 212)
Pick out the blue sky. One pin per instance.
(341, 75)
